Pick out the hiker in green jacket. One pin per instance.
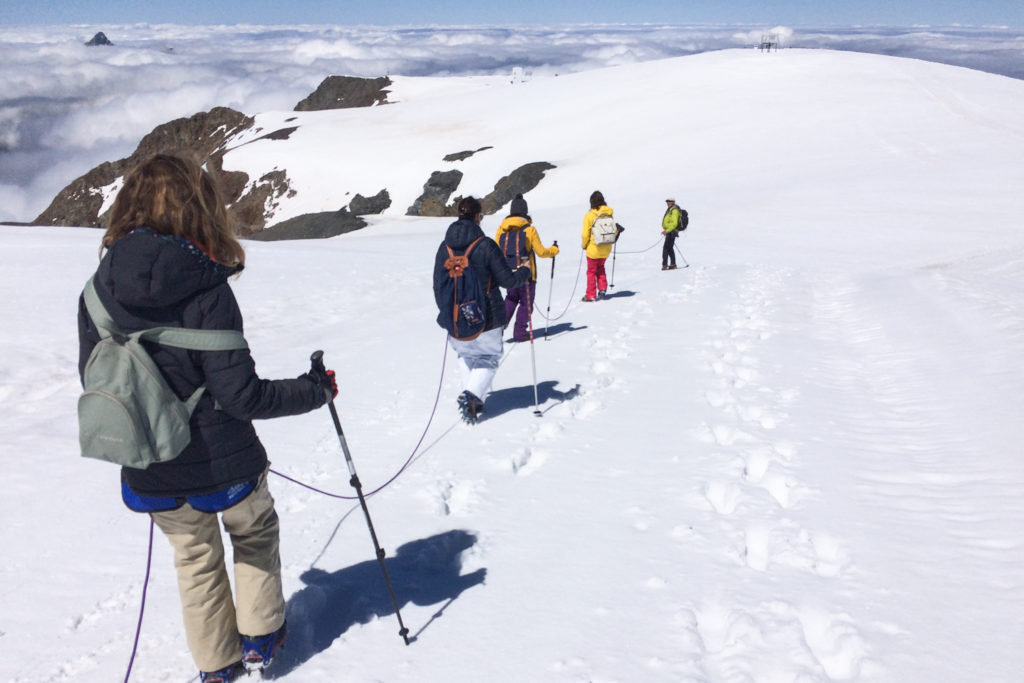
(672, 224)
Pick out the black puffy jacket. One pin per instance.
(147, 280)
(489, 264)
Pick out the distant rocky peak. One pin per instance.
(99, 39)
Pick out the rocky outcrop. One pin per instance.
(519, 181)
(442, 184)
(259, 202)
(436, 191)
(364, 206)
(344, 92)
(327, 223)
(462, 156)
(202, 135)
(99, 39)
(312, 226)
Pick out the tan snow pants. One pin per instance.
(212, 621)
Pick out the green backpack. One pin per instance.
(128, 414)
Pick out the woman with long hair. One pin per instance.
(166, 259)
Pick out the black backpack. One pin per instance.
(462, 297)
(684, 219)
(514, 245)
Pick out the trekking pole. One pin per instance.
(533, 353)
(614, 248)
(685, 264)
(317, 360)
(547, 317)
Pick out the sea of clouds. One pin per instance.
(65, 107)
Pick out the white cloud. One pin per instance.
(66, 107)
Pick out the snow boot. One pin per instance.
(258, 651)
(225, 675)
(471, 407)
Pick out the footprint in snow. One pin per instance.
(454, 498)
(724, 497)
(525, 461)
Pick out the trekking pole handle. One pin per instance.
(317, 361)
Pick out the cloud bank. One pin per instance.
(65, 107)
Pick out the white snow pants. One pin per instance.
(478, 360)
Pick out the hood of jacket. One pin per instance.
(461, 234)
(147, 273)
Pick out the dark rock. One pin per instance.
(80, 202)
(312, 226)
(436, 191)
(99, 39)
(251, 211)
(363, 206)
(462, 156)
(202, 136)
(519, 181)
(344, 92)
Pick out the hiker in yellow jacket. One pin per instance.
(673, 222)
(521, 245)
(597, 281)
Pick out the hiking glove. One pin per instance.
(326, 380)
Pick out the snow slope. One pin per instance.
(798, 459)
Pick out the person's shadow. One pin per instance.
(516, 398)
(423, 572)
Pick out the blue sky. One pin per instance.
(449, 12)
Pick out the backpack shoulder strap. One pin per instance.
(97, 311)
(184, 338)
(195, 340)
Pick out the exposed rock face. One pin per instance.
(312, 226)
(344, 92)
(251, 210)
(363, 206)
(327, 223)
(99, 39)
(436, 191)
(462, 156)
(202, 135)
(519, 181)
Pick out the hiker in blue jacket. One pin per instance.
(170, 250)
(478, 357)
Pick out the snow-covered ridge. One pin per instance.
(797, 459)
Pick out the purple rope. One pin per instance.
(408, 461)
(572, 295)
(142, 607)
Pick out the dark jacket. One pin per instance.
(146, 280)
(489, 264)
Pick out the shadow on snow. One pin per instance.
(423, 572)
(515, 398)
